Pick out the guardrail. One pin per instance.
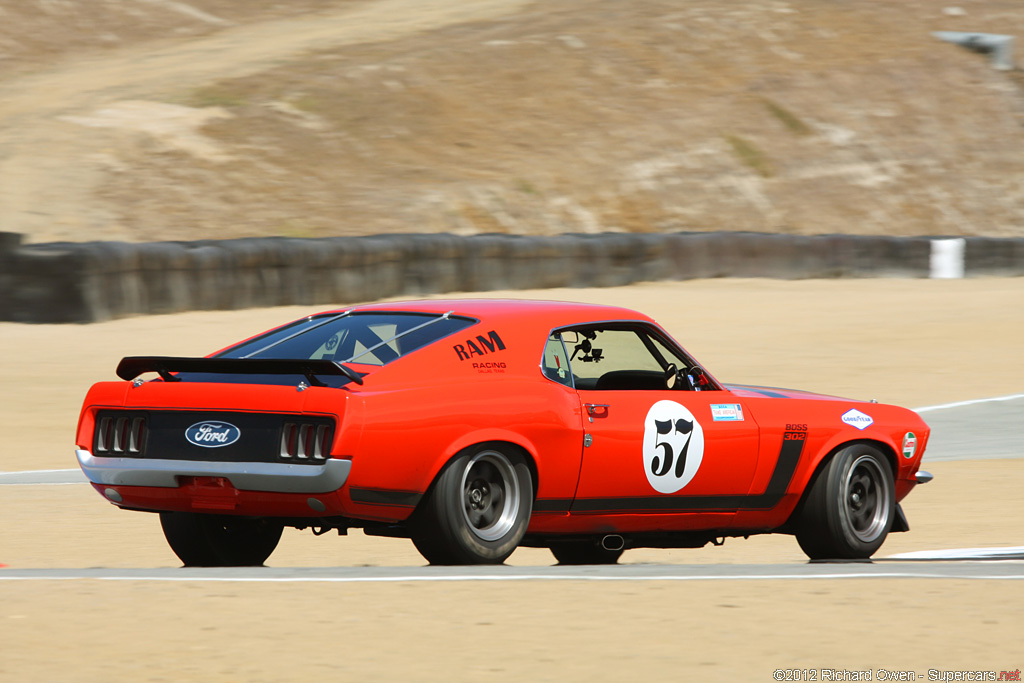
(65, 282)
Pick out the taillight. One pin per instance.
(137, 435)
(305, 441)
(120, 433)
(320, 443)
(288, 440)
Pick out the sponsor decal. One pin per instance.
(332, 343)
(213, 434)
(727, 412)
(857, 419)
(795, 431)
(673, 446)
(481, 346)
(489, 367)
(909, 445)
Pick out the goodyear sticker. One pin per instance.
(909, 445)
(857, 419)
(727, 412)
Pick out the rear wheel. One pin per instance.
(478, 509)
(220, 540)
(850, 506)
(584, 552)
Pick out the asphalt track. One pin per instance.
(970, 430)
(976, 430)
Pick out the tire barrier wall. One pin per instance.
(85, 282)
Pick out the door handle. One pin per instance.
(596, 410)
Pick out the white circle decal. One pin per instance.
(673, 446)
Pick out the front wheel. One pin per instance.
(850, 506)
(220, 540)
(478, 509)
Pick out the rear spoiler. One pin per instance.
(131, 367)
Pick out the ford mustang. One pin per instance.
(475, 426)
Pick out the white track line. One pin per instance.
(46, 483)
(412, 578)
(960, 404)
(72, 477)
(960, 554)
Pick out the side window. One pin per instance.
(621, 357)
(555, 365)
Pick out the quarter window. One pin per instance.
(556, 363)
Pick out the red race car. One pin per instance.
(474, 427)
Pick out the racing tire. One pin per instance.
(477, 510)
(850, 506)
(220, 540)
(584, 552)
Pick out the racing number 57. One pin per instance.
(660, 465)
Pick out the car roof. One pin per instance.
(545, 313)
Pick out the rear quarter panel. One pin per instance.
(419, 412)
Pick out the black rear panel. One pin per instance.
(213, 436)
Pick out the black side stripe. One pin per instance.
(549, 505)
(785, 467)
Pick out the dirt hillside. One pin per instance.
(153, 119)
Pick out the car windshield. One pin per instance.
(371, 338)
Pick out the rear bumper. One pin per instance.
(244, 476)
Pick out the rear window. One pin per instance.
(372, 338)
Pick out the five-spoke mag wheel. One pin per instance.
(490, 495)
(849, 507)
(866, 499)
(478, 508)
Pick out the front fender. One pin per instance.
(888, 433)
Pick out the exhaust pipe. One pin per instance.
(613, 542)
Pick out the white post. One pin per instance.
(947, 258)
